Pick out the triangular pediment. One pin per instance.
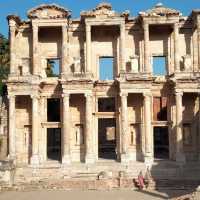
(160, 10)
(48, 11)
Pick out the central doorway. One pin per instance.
(54, 144)
(107, 138)
(161, 143)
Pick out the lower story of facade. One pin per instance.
(75, 124)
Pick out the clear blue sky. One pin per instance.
(20, 7)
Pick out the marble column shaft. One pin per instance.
(176, 48)
(66, 158)
(88, 48)
(12, 147)
(147, 67)
(35, 130)
(124, 122)
(198, 42)
(122, 46)
(12, 54)
(88, 129)
(147, 123)
(64, 66)
(35, 50)
(179, 128)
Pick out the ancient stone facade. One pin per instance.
(77, 117)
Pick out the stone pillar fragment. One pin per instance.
(88, 130)
(147, 67)
(179, 128)
(122, 47)
(66, 157)
(176, 48)
(124, 128)
(64, 66)
(35, 130)
(12, 147)
(35, 50)
(88, 48)
(148, 128)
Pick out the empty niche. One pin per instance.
(134, 135)
(79, 134)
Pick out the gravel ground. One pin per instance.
(88, 195)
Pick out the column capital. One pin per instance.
(88, 28)
(88, 95)
(178, 93)
(11, 96)
(66, 95)
(147, 94)
(123, 94)
(35, 96)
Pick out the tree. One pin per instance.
(4, 61)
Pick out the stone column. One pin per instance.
(12, 25)
(176, 48)
(89, 130)
(64, 66)
(88, 48)
(122, 46)
(12, 147)
(147, 67)
(199, 126)
(148, 128)
(179, 128)
(35, 50)
(124, 128)
(198, 41)
(66, 157)
(35, 130)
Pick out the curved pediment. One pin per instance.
(48, 11)
(103, 10)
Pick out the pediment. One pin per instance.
(103, 10)
(160, 10)
(48, 11)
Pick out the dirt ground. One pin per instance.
(88, 195)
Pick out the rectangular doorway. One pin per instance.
(161, 142)
(54, 144)
(107, 138)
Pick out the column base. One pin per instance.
(124, 158)
(35, 160)
(180, 157)
(148, 159)
(89, 159)
(66, 160)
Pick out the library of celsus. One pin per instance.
(104, 88)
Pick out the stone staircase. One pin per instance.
(106, 175)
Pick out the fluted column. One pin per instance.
(12, 147)
(12, 26)
(122, 47)
(35, 50)
(64, 66)
(88, 48)
(148, 128)
(89, 130)
(147, 67)
(35, 130)
(176, 48)
(179, 128)
(66, 124)
(124, 128)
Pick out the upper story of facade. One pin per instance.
(103, 44)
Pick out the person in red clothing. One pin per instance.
(141, 181)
